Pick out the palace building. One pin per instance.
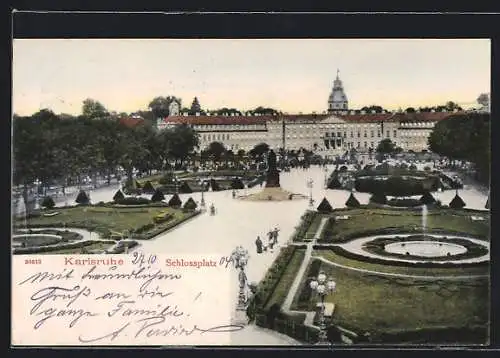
(330, 134)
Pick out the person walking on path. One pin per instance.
(270, 235)
(275, 234)
(258, 244)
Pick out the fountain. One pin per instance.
(424, 218)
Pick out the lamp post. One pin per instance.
(326, 179)
(202, 202)
(322, 286)
(310, 186)
(37, 183)
(240, 259)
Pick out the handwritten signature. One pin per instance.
(151, 327)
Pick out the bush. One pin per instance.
(413, 167)
(190, 205)
(82, 198)
(408, 203)
(185, 188)
(236, 184)
(148, 188)
(118, 196)
(397, 185)
(157, 196)
(343, 168)
(175, 201)
(48, 202)
(352, 202)
(144, 228)
(305, 223)
(132, 201)
(167, 178)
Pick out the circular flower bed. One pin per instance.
(426, 247)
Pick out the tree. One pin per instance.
(379, 198)
(457, 202)
(216, 150)
(386, 146)
(195, 106)
(464, 136)
(157, 196)
(82, 198)
(410, 110)
(427, 198)
(175, 201)
(160, 106)
(93, 109)
(259, 150)
(265, 111)
(190, 205)
(369, 109)
(118, 196)
(148, 188)
(324, 206)
(451, 106)
(352, 202)
(484, 99)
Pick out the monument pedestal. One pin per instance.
(273, 179)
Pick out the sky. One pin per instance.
(291, 75)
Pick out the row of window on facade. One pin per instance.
(365, 134)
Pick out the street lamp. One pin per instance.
(310, 186)
(326, 179)
(323, 286)
(240, 259)
(37, 183)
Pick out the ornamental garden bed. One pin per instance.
(405, 310)
(305, 223)
(377, 246)
(373, 221)
(105, 220)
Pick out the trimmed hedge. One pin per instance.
(148, 188)
(162, 217)
(306, 221)
(190, 205)
(70, 245)
(132, 201)
(397, 185)
(118, 195)
(353, 256)
(457, 202)
(352, 202)
(324, 206)
(157, 196)
(48, 202)
(184, 188)
(214, 185)
(237, 184)
(306, 292)
(409, 202)
(175, 201)
(378, 198)
(82, 198)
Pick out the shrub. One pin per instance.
(48, 202)
(427, 168)
(185, 188)
(175, 201)
(457, 202)
(413, 167)
(190, 205)
(343, 168)
(157, 196)
(148, 188)
(132, 201)
(236, 183)
(82, 198)
(379, 198)
(427, 199)
(118, 196)
(144, 228)
(324, 206)
(352, 202)
(138, 185)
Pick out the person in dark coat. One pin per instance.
(275, 235)
(270, 235)
(258, 244)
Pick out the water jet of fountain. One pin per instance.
(424, 219)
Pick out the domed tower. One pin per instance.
(337, 100)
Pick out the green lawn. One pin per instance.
(281, 291)
(363, 220)
(106, 218)
(382, 304)
(451, 271)
(311, 231)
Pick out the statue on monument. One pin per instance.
(273, 175)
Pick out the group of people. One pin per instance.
(272, 241)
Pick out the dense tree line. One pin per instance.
(59, 149)
(465, 137)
